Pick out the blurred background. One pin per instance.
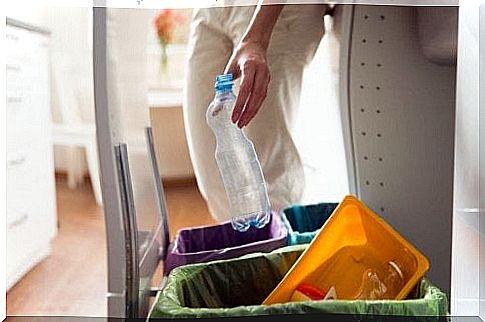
(56, 245)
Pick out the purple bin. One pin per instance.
(209, 243)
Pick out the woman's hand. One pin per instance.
(249, 62)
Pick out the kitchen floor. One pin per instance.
(73, 279)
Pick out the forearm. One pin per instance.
(262, 24)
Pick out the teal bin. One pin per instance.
(303, 222)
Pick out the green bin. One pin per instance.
(236, 287)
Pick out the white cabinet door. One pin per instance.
(31, 213)
(466, 217)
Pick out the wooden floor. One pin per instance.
(73, 279)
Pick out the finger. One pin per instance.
(253, 105)
(247, 81)
(256, 99)
(258, 93)
(232, 68)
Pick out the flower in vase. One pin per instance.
(165, 23)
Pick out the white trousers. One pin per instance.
(213, 35)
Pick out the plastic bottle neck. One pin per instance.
(223, 92)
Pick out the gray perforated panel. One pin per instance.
(401, 110)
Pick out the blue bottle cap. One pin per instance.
(223, 82)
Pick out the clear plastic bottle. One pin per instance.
(394, 279)
(380, 285)
(237, 161)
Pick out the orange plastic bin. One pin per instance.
(353, 239)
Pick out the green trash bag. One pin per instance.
(237, 287)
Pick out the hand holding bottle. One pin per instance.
(248, 61)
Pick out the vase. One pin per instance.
(164, 72)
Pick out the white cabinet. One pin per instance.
(31, 207)
(468, 235)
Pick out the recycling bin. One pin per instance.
(238, 286)
(215, 242)
(303, 222)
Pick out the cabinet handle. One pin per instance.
(14, 68)
(17, 222)
(19, 159)
(14, 99)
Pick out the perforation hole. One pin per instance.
(364, 40)
(381, 184)
(366, 158)
(382, 17)
(379, 65)
(362, 64)
(379, 135)
(380, 159)
(367, 182)
(378, 88)
(363, 133)
(361, 86)
(380, 41)
(362, 110)
(366, 17)
(378, 111)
